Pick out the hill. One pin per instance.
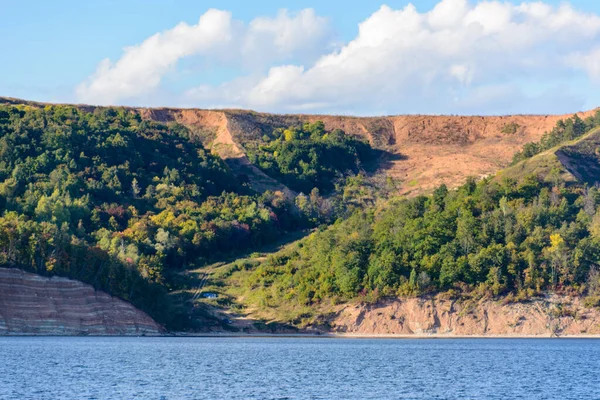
(423, 151)
(573, 161)
(178, 211)
(419, 152)
(126, 204)
(531, 230)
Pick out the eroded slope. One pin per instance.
(544, 316)
(425, 151)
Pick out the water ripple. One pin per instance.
(297, 368)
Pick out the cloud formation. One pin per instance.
(141, 67)
(216, 37)
(460, 57)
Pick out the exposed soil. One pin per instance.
(425, 151)
(552, 315)
(224, 143)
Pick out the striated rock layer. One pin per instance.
(33, 304)
(545, 316)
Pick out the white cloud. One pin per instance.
(447, 14)
(406, 61)
(286, 36)
(590, 62)
(462, 56)
(141, 67)
(462, 73)
(215, 37)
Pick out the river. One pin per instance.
(297, 368)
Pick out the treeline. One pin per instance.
(307, 156)
(488, 238)
(565, 130)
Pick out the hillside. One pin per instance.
(178, 212)
(489, 246)
(424, 151)
(421, 152)
(127, 204)
(575, 161)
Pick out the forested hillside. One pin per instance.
(308, 157)
(127, 204)
(516, 237)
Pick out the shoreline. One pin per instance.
(377, 336)
(232, 335)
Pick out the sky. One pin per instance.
(360, 57)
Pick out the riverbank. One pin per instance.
(332, 335)
(372, 336)
(549, 315)
(544, 316)
(33, 305)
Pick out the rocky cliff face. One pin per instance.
(32, 304)
(548, 316)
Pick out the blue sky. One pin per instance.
(53, 51)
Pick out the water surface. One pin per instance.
(297, 368)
